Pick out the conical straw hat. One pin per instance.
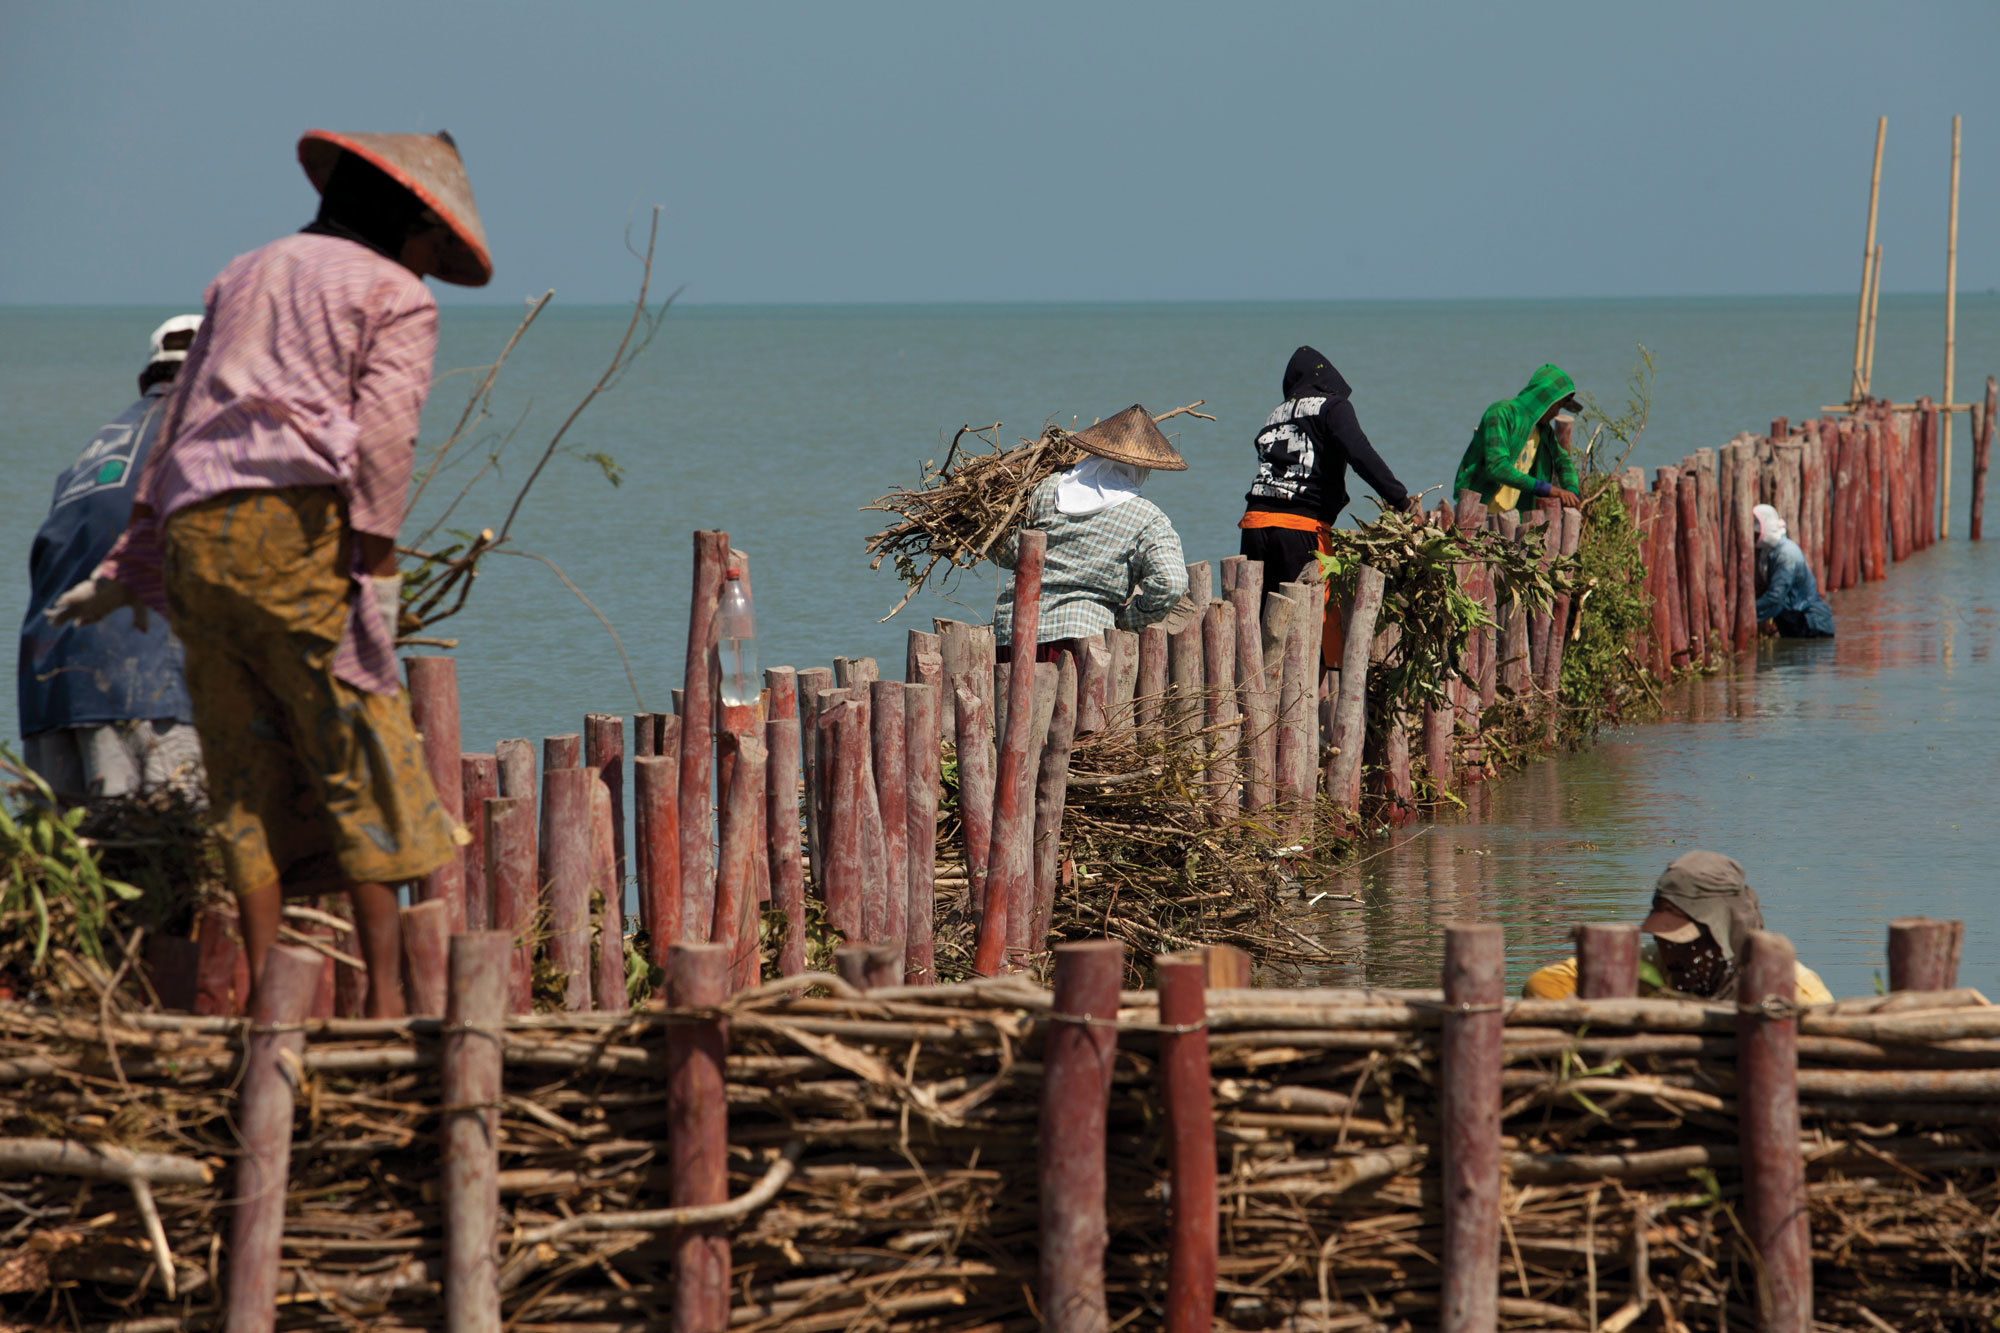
(428, 166)
(1131, 437)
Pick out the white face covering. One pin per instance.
(1770, 526)
(1096, 484)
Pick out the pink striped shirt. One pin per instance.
(311, 368)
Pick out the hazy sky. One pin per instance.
(1023, 151)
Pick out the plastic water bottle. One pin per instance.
(736, 638)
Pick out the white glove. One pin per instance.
(92, 600)
(388, 599)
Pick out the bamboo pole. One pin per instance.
(1469, 1089)
(783, 833)
(742, 852)
(607, 986)
(1874, 308)
(264, 1124)
(479, 779)
(1767, 1109)
(698, 712)
(1607, 961)
(921, 763)
(698, 1134)
(426, 931)
(889, 757)
(566, 848)
(1950, 336)
(1009, 861)
(1924, 953)
(1186, 1096)
(510, 866)
(434, 711)
(1076, 1094)
(475, 1014)
(656, 835)
(1051, 796)
(1858, 389)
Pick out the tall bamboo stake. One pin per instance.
(1950, 336)
(1874, 307)
(1859, 387)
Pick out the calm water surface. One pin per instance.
(1851, 779)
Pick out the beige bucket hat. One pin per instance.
(1131, 437)
(428, 166)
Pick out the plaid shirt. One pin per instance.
(1119, 567)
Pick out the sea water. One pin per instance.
(1851, 779)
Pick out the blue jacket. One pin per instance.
(1789, 585)
(84, 675)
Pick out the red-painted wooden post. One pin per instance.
(1681, 642)
(1184, 683)
(1694, 585)
(607, 986)
(1093, 683)
(784, 835)
(701, 681)
(1982, 456)
(1297, 674)
(743, 851)
(516, 759)
(564, 751)
(1009, 865)
(889, 754)
(1924, 953)
(264, 1126)
(975, 788)
(426, 928)
(1192, 1249)
(1220, 714)
(1745, 550)
(1150, 688)
(921, 761)
(434, 710)
(842, 751)
(1124, 647)
(1878, 558)
(874, 837)
(1076, 1095)
(656, 837)
(1343, 784)
(698, 1133)
(1607, 960)
(1021, 903)
(566, 853)
(1767, 1114)
(479, 778)
(812, 682)
(1051, 798)
(604, 754)
(510, 868)
(1475, 969)
(1546, 535)
(871, 966)
(475, 1023)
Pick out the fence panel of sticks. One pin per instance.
(844, 1151)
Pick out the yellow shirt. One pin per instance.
(1557, 981)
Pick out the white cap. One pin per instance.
(178, 324)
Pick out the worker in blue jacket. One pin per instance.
(1788, 600)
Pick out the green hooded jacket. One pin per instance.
(1489, 460)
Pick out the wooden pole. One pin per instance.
(564, 751)
(1009, 864)
(1475, 968)
(1124, 646)
(1767, 1112)
(1950, 337)
(1982, 453)
(1350, 721)
(812, 683)
(1924, 953)
(1220, 715)
(1185, 1095)
(657, 839)
(921, 762)
(890, 755)
(1076, 1094)
(510, 867)
(1021, 905)
(1093, 684)
(784, 835)
(475, 1021)
(841, 738)
(975, 787)
(566, 848)
(264, 1126)
(1874, 307)
(607, 986)
(517, 767)
(1051, 796)
(1607, 961)
(434, 710)
(1878, 543)
(743, 851)
(1859, 388)
(479, 779)
(426, 930)
(1150, 687)
(1184, 683)
(1667, 488)
(698, 1133)
(698, 711)
(873, 966)
(604, 754)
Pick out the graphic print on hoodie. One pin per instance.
(1307, 444)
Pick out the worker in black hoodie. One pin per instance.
(1303, 452)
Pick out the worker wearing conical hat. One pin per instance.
(265, 525)
(1113, 560)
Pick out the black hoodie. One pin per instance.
(1306, 445)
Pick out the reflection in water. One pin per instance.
(1852, 778)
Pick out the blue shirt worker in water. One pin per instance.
(103, 708)
(1788, 600)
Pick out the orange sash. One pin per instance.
(1331, 640)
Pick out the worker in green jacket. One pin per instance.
(1514, 456)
